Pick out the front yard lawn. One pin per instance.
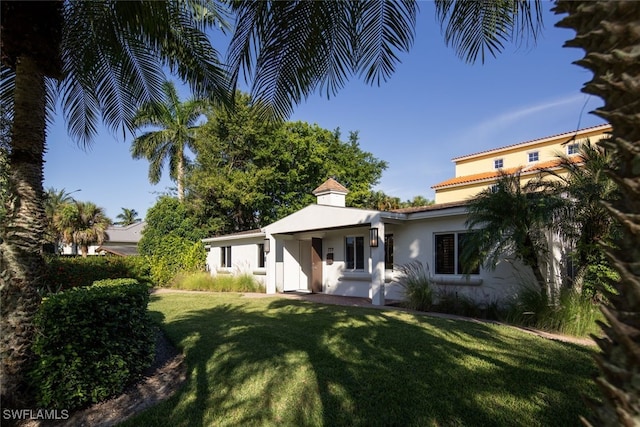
(272, 361)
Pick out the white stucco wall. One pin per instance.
(244, 257)
(416, 241)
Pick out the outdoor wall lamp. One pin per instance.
(267, 246)
(373, 237)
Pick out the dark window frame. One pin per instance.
(354, 253)
(388, 251)
(261, 256)
(447, 253)
(225, 256)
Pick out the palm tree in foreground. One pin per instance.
(127, 217)
(609, 33)
(102, 59)
(82, 224)
(178, 123)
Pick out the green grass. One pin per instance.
(272, 361)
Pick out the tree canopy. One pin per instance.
(249, 172)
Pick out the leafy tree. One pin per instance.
(171, 240)
(178, 123)
(82, 224)
(418, 201)
(250, 172)
(99, 59)
(168, 217)
(127, 217)
(380, 201)
(509, 219)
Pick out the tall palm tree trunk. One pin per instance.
(609, 32)
(180, 175)
(21, 261)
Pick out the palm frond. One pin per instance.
(480, 27)
(114, 53)
(290, 49)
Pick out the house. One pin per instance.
(121, 241)
(330, 248)
(477, 172)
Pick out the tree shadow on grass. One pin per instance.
(288, 362)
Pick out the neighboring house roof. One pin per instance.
(330, 185)
(128, 233)
(492, 175)
(234, 236)
(569, 135)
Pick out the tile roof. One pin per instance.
(330, 185)
(485, 176)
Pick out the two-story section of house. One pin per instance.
(477, 172)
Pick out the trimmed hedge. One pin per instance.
(92, 342)
(70, 272)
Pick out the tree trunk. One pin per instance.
(609, 32)
(21, 261)
(84, 250)
(180, 175)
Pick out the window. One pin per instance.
(225, 256)
(388, 251)
(533, 156)
(354, 256)
(261, 256)
(498, 163)
(449, 249)
(573, 149)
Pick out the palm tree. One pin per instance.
(101, 59)
(609, 33)
(586, 221)
(54, 200)
(512, 219)
(178, 123)
(82, 224)
(127, 217)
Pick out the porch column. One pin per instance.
(270, 264)
(377, 266)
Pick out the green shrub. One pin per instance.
(175, 255)
(418, 290)
(220, 283)
(70, 272)
(91, 342)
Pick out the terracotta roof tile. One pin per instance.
(549, 164)
(330, 185)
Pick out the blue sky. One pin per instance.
(434, 108)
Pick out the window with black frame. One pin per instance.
(449, 248)
(225, 256)
(354, 252)
(388, 251)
